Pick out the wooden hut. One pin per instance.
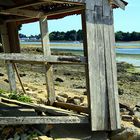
(99, 54)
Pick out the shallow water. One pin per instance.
(129, 55)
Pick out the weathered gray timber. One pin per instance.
(104, 106)
(18, 57)
(43, 120)
(48, 66)
(7, 49)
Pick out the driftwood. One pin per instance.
(71, 107)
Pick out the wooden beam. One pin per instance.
(23, 13)
(75, 2)
(48, 67)
(20, 19)
(40, 2)
(68, 10)
(43, 59)
(83, 19)
(119, 3)
(7, 49)
(104, 106)
(38, 14)
(28, 4)
(43, 120)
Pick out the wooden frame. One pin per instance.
(99, 60)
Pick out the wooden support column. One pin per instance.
(101, 76)
(48, 66)
(7, 49)
(13, 37)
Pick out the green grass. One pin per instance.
(15, 96)
(20, 97)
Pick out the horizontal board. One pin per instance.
(41, 58)
(43, 120)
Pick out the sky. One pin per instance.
(126, 21)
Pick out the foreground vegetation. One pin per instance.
(15, 96)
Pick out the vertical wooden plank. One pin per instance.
(11, 76)
(111, 69)
(114, 97)
(7, 49)
(83, 18)
(101, 70)
(48, 67)
(96, 70)
(45, 36)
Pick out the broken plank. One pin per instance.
(40, 107)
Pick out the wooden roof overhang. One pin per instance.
(24, 11)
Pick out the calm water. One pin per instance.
(123, 55)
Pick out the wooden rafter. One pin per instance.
(38, 14)
(23, 13)
(27, 5)
(76, 2)
(68, 10)
(40, 2)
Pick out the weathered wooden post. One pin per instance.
(48, 66)
(10, 42)
(101, 75)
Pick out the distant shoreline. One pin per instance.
(121, 45)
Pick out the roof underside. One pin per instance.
(32, 10)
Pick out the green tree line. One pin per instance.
(126, 36)
(74, 35)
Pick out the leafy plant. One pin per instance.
(19, 97)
